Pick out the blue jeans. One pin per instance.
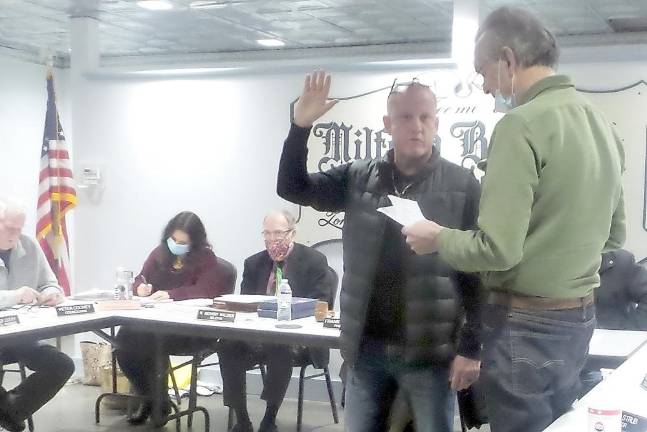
(371, 385)
(531, 364)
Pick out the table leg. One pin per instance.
(158, 416)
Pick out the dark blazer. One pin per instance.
(621, 299)
(306, 270)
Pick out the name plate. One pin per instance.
(74, 309)
(8, 320)
(633, 422)
(216, 315)
(332, 323)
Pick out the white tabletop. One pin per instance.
(173, 317)
(613, 343)
(44, 323)
(616, 343)
(621, 388)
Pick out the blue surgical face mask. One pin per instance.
(503, 104)
(176, 248)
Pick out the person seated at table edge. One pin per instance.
(307, 272)
(183, 266)
(26, 278)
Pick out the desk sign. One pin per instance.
(216, 315)
(633, 423)
(332, 323)
(8, 320)
(74, 309)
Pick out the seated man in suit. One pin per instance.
(26, 278)
(307, 271)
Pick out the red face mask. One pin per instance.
(278, 249)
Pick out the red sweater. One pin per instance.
(202, 276)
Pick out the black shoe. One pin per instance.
(243, 427)
(8, 419)
(141, 415)
(12, 425)
(267, 426)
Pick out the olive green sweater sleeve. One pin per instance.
(506, 202)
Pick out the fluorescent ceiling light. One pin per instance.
(155, 4)
(186, 71)
(270, 42)
(465, 24)
(209, 4)
(414, 62)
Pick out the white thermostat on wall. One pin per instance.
(90, 176)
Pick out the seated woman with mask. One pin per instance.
(181, 267)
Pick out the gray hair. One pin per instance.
(519, 30)
(289, 217)
(11, 207)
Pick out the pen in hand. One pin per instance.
(148, 289)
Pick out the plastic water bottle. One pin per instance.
(124, 285)
(284, 302)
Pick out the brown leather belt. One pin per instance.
(520, 301)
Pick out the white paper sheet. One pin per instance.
(148, 300)
(403, 211)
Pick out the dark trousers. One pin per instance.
(531, 364)
(51, 370)
(136, 355)
(379, 373)
(236, 358)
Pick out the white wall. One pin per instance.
(211, 146)
(627, 110)
(23, 98)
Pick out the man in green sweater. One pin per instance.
(551, 202)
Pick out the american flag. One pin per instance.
(56, 193)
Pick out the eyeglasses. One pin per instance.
(25, 308)
(399, 85)
(278, 235)
(476, 80)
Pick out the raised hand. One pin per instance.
(314, 101)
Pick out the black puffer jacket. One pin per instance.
(621, 299)
(438, 300)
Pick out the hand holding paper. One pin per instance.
(422, 236)
(421, 233)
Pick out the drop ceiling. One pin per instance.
(28, 28)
